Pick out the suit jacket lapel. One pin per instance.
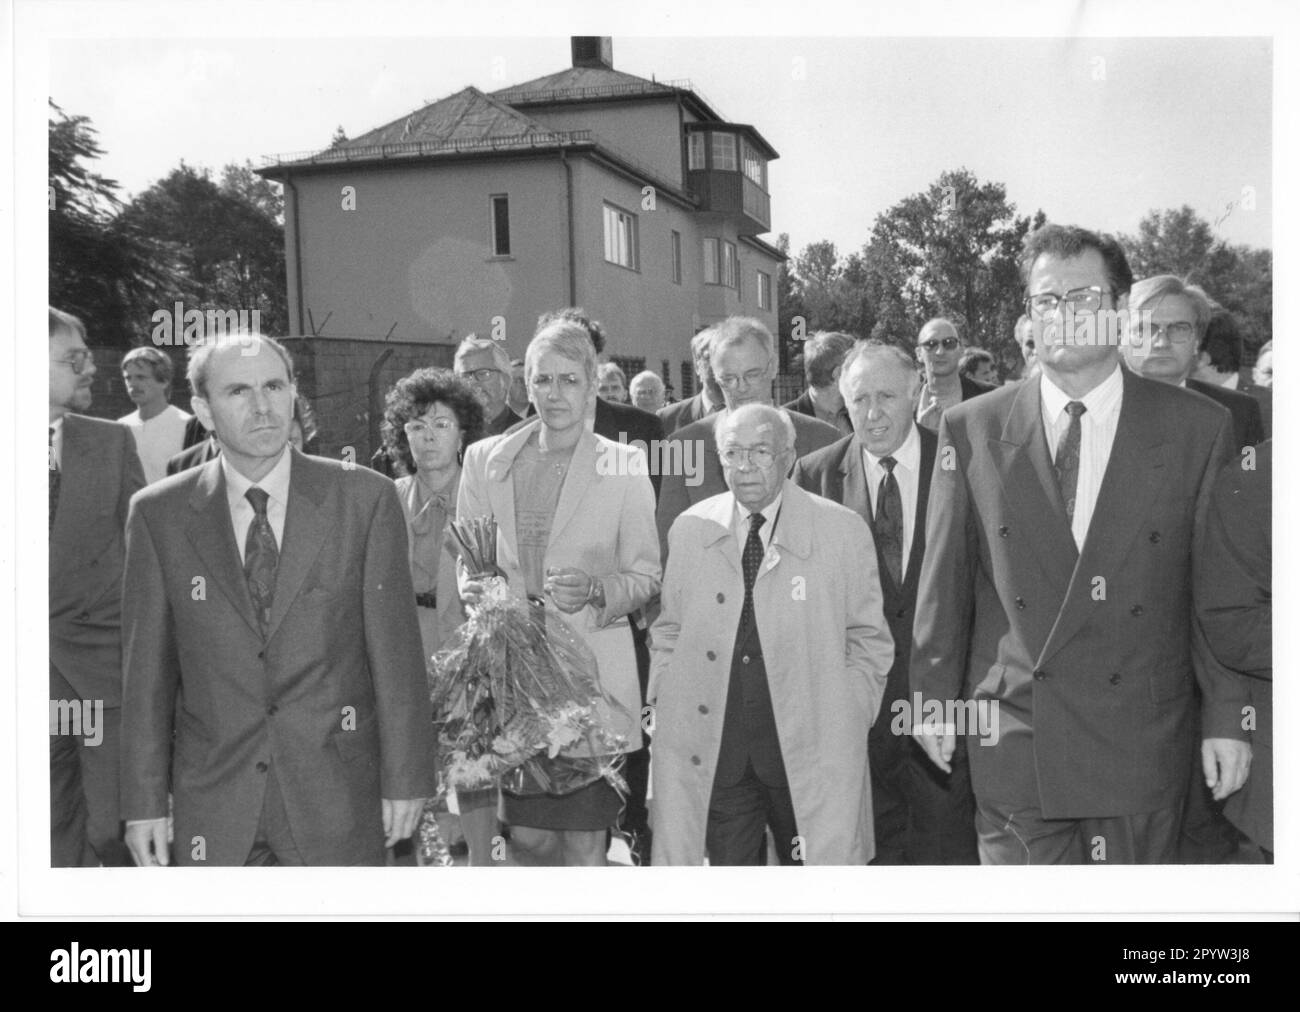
(720, 538)
(853, 478)
(212, 534)
(306, 528)
(912, 571)
(1029, 487)
(582, 471)
(1134, 475)
(76, 494)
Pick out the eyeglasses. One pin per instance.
(1178, 332)
(932, 345)
(1078, 301)
(567, 380)
(479, 375)
(751, 378)
(759, 456)
(427, 429)
(78, 359)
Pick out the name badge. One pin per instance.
(771, 559)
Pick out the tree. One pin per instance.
(339, 137)
(1183, 243)
(101, 268)
(789, 307)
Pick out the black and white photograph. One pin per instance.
(753, 438)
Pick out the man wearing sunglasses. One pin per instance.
(938, 349)
(94, 471)
(1068, 514)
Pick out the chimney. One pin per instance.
(593, 51)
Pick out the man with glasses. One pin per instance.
(770, 658)
(1067, 518)
(94, 471)
(1166, 324)
(743, 361)
(938, 349)
(485, 366)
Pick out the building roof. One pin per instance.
(583, 84)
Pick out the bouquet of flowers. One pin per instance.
(517, 695)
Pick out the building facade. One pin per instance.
(479, 212)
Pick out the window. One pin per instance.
(755, 166)
(500, 225)
(710, 261)
(764, 291)
(724, 151)
(620, 237)
(729, 274)
(677, 257)
(695, 154)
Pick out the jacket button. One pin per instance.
(721, 598)
(1136, 610)
(1155, 537)
(703, 708)
(1004, 531)
(261, 767)
(695, 760)
(1114, 679)
(711, 655)
(1020, 603)
(1040, 676)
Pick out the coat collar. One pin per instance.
(793, 529)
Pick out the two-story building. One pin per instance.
(477, 213)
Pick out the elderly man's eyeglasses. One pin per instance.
(425, 429)
(78, 359)
(1078, 301)
(730, 381)
(479, 375)
(759, 456)
(1178, 332)
(935, 343)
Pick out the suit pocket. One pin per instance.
(360, 743)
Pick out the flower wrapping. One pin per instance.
(517, 695)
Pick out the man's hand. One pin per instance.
(400, 818)
(569, 588)
(938, 741)
(928, 410)
(1226, 764)
(147, 842)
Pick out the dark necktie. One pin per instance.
(1067, 457)
(261, 556)
(889, 521)
(750, 559)
(55, 478)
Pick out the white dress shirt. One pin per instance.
(1097, 429)
(275, 483)
(57, 426)
(740, 523)
(907, 472)
(158, 439)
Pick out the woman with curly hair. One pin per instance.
(430, 417)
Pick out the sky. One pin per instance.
(1095, 131)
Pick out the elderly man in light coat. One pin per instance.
(763, 694)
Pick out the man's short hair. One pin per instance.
(873, 348)
(607, 369)
(1223, 342)
(578, 315)
(701, 344)
(60, 321)
(159, 363)
(566, 338)
(1071, 241)
(822, 354)
(971, 360)
(738, 329)
(777, 416)
(648, 376)
(196, 370)
(1153, 289)
(472, 344)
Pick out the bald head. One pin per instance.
(756, 445)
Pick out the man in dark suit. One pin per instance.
(1236, 609)
(1218, 364)
(704, 403)
(274, 678)
(94, 471)
(939, 350)
(922, 816)
(743, 360)
(823, 353)
(1067, 516)
(1169, 319)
